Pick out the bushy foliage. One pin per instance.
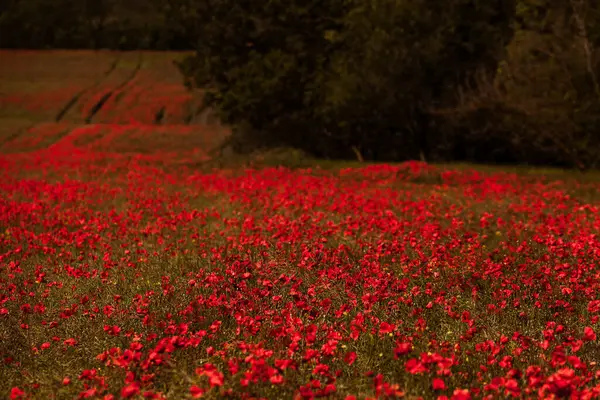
(398, 60)
(115, 24)
(502, 81)
(342, 77)
(260, 66)
(544, 100)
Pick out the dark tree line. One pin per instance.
(506, 81)
(112, 24)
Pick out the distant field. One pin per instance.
(45, 96)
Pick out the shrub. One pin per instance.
(341, 78)
(545, 99)
(259, 65)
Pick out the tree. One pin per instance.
(402, 58)
(544, 100)
(338, 77)
(259, 65)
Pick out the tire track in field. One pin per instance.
(160, 115)
(62, 134)
(8, 143)
(71, 103)
(98, 106)
(15, 135)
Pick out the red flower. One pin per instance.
(321, 369)
(215, 378)
(401, 349)
(196, 392)
(385, 328)
(589, 334)
(593, 306)
(112, 330)
(86, 394)
(350, 357)
(414, 366)
(16, 393)
(438, 384)
(130, 390)
(461, 394)
(562, 383)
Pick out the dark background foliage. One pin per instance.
(114, 24)
(502, 81)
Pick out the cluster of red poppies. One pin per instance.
(120, 279)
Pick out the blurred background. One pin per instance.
(486, 81)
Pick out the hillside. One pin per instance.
(101, 100)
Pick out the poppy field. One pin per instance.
(127, 271)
